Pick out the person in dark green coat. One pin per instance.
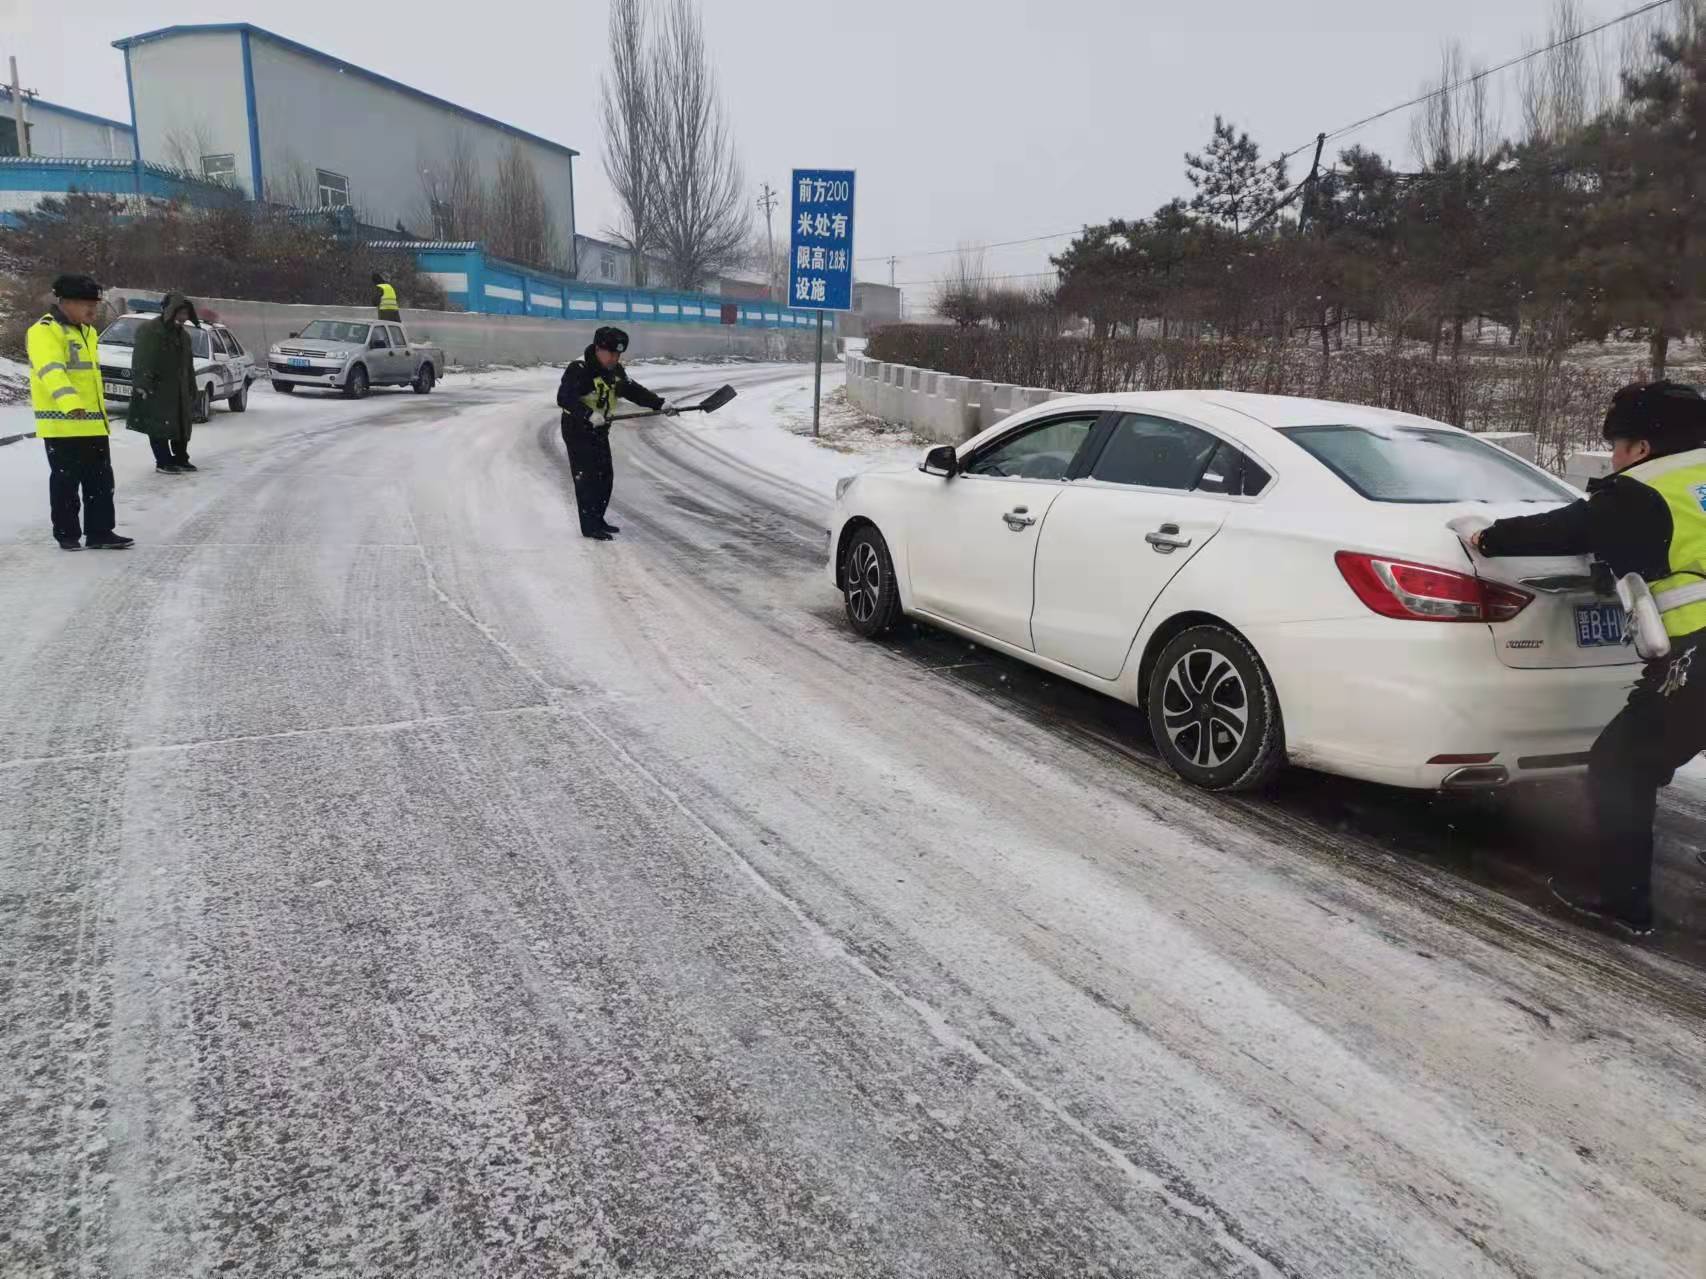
(162, 384)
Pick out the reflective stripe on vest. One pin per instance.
(1680, 480)
(65, 380)
(602, 397)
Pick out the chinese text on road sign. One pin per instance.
(820, 247)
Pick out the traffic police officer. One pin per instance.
(71, 416)
(589, 390)
(1647, 517)
(385, 298)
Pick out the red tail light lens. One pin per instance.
(1423, 593)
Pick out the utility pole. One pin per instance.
(18, 112)
(768, 202)
(891, 272)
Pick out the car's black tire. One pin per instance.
(356, 384)
(869, 590)
(424, 378)
(203, 408)
(284, 388)
(1213, 710)
(239, 401)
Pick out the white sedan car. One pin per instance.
(1271, 578)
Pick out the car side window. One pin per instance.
(1042, 452)
(1232, 473)
(218, 342)
(1154, 452)
(231, 342)
(397, 338)
(380, 342)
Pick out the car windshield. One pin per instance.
(122, 332)
(335, 331)
(1422, 464)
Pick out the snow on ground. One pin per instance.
(14, 383)
(768, 426)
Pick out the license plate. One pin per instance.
(1598, 625)
(298, 363)
(118, 389)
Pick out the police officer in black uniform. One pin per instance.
(589, 390)
(1647, 517)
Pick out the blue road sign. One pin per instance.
(820, 247)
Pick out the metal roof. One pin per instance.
(261, 33)
(463, 246)
(33, 102)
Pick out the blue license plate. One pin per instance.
(297, 363)
(1598, 625)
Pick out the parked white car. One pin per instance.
(223, 369)
(1271, 578)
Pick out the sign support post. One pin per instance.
(817, 377)
(820, 256)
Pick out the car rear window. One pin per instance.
(1422, 464)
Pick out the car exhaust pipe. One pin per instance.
(1477, 777)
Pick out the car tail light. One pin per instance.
(1423, 593)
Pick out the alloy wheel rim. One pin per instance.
(1205, 708)
(864, 582)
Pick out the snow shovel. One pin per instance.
(710, 404)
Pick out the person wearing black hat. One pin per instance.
(71, 417)
(1648, 517)
(588, 392)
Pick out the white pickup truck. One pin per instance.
(353, 356)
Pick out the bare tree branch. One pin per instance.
(627, 102)
(702, 214)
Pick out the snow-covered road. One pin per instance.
(394, 883)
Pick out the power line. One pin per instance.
(1333, 134)
(982, 279)
(1482, 74)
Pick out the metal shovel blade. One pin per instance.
(716, 399)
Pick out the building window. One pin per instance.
(220, 168)
(607, 265)
(334, 189)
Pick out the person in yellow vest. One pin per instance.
(1647, 517)
(587, 395)
(385, 298)
(71, 417)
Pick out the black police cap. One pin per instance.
(1665, 413)
(77, 288)
(610, 338)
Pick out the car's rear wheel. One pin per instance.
(355, 385)
(284, 388)
(1213, 710)
(424, 380)
(240, 401)
(868, 586)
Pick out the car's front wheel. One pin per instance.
(868, 587)
(355, 385)
(284, 388)
(1213, 710)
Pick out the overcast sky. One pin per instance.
(968, 121)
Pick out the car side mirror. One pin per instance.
(943, 460)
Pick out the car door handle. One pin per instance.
(1018, 520)
(1166, 539)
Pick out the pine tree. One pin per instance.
(1645, 246)
(1233, 186)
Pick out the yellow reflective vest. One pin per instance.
(1680, 479)
(65, 377)
(387, 297)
